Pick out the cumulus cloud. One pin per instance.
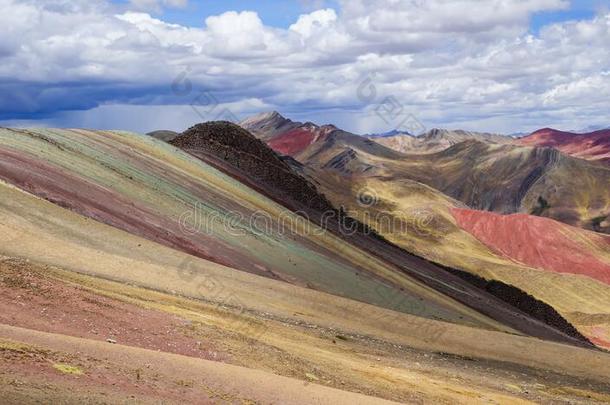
(438, 59)
(308, 24)
(449, 16)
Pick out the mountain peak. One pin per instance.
(264, 117)
(267, 124)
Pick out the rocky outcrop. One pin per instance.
(524, 302)
(253, 157)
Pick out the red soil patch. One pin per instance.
(599, 342)
(30, 300)
(297, 140)
(591, 146)
(537, 242)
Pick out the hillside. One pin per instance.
(232, 148)
(251, 162)
(422, 220)
(291, 138)
(500, 178)
(593, 146)
(379, 187)
(100, 282)
(540, 242)
(155, 191)
(110, 284)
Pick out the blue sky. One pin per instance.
(512, 66)
(282, 13)
(276, 13)
(578, 10)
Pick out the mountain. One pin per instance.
(216, 280)
(235, 216)
(487, 173)
(269, 124)
(391, 133)
(283, 135)
(540, 242)
(290, 138)
(383, 193)
(238, 153)
(423, 220)
(153, 190)
(435, 140)
(501, 178)
(424, 192)
(399, 142)
(255, 164)
(594, 146)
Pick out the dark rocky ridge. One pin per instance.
(239, 148)
(523, 301)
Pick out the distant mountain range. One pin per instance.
(290, 137)
(434, 140)
(484, 171)
(391, 133)
(283, 135)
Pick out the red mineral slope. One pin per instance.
(298, 139)
(539, 242)
(590, 146)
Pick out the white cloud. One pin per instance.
(441, 60)
(308, 24)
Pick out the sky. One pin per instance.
(503, 66)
